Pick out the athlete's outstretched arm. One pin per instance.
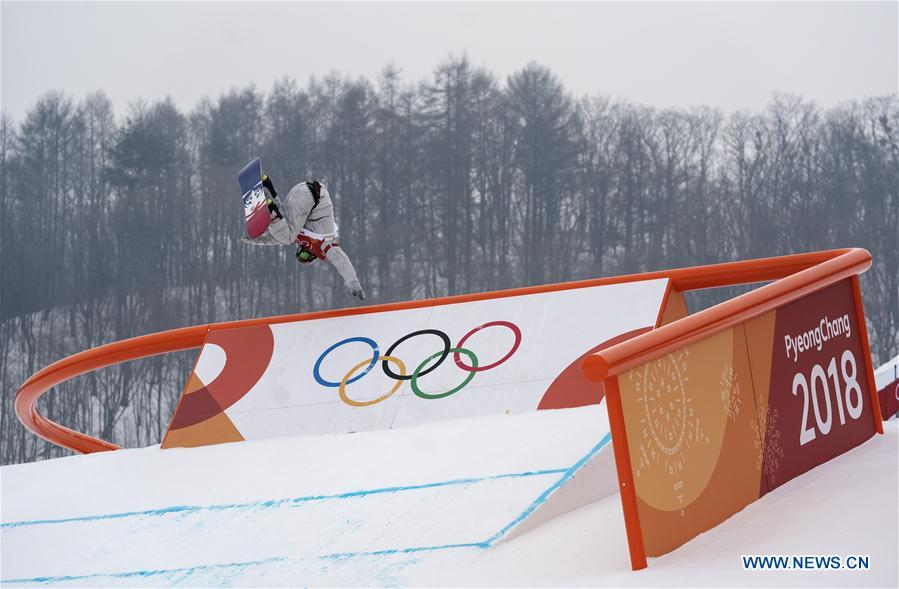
(265, 239)
(341, 262)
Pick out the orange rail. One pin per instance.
(728, 274)
(810, 273)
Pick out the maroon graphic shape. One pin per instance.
(571, 388)
(248, 351)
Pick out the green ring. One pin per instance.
(414, 381)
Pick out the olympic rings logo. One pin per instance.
(401, 374)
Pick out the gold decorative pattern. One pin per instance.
(730, 392)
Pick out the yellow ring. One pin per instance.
(349, 375)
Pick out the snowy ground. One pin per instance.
(423, 506)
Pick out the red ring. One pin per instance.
(508, 324)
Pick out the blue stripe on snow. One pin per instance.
(545, 495)
(391, 551)
(146, 573)
(566, 476)
(279, 502)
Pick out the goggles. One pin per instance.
(305, 256)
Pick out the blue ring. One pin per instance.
(318, 363)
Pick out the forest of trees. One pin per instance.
(114, 225)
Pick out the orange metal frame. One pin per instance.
(805, 273)
(796, 277)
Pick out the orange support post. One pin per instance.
(625, 475)
(866, 349)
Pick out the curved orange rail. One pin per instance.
(806, 272)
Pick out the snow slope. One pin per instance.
(420, 506)
(462, 483)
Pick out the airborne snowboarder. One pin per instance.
(305, 217)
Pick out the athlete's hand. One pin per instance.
(355, 289)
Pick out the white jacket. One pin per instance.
(299, 211)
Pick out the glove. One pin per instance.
(355, 289)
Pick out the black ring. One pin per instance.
(446, 350)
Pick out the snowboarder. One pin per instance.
(305, 217)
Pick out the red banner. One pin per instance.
(819, 402)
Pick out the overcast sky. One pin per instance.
(731, 55)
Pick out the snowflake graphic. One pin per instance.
(669, 425)
(769, 456)
(730, 392)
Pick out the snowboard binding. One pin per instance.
(273, 209)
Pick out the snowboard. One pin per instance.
(254, 202)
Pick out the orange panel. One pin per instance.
(218, 429)
(675, 308)
(692, 439)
